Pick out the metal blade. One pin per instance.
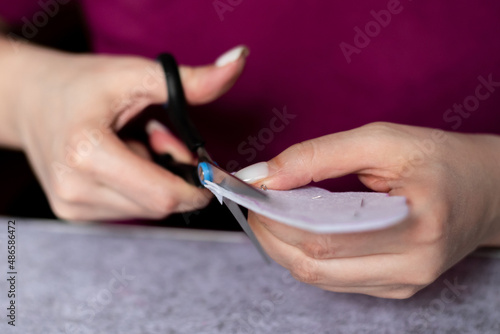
(232, 183)
(203, 155)
(240, 217)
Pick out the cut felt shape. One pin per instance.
(321, 211)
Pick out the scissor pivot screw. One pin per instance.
(205, 172)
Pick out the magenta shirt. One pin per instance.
(331, 65)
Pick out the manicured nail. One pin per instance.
(232, 55)
(153, 125)
(253, 173)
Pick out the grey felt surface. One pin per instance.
(67, 284)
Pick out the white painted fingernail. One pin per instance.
(153, 125)
(253, 173)
(232, 55)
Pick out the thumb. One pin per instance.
(322, 158)
(142, 82)
(206, 83)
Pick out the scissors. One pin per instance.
(207, 169)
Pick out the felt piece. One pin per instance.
(321, 211)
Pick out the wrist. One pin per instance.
(25, 74)
(490, 159)
(9, 92)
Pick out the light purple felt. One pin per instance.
(320, 211)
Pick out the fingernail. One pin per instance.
(253, 173)
(232, 55)
(153, 125)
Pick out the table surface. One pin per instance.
(123, 279)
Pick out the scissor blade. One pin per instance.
(236, 211)
(230, 182)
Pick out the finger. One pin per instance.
(380, 291)
(138, 148)
(142, 181)
(142, 83)
(321, 275)
(344, 245)
(163, 141)
(344, 272)
(367, 150)
(88, 200)
(325, 157)
(106, 205)
(206, 83)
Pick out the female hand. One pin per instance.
(65, 113)
(452, 185)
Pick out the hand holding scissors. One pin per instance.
(68, 110)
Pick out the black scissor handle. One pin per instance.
(176, 108)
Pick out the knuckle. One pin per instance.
(318, 250)
(305, 270)
(79, 154)
(429, 271)
(87, 166)
(379, 127)
(424, 278)
(200, 200)
(301, 157)
(435, 233)
(302, 152)
(384, 137)
(65, 194)
(432, 231)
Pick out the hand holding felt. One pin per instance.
(451, 183)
